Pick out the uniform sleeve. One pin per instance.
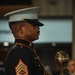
(21, 68)
(18, 63)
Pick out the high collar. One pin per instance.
(25, 42)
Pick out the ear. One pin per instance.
(20, 30)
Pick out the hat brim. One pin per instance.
(34, 22)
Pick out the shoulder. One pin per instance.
(17, 53)
(20, 51)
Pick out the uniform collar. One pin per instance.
(25, 42)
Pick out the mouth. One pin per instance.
(38, 32)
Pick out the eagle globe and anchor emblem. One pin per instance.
(61, 58)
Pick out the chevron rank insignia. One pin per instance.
(21, 68)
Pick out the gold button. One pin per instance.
(39, 65)
(22, 19)
(35, 57)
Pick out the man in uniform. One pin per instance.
(22, 58)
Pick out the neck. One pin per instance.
(25, 39)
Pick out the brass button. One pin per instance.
(39, 65)
(35, 57)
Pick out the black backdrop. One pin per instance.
(11, 2)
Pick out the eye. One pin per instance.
(34, 26)
(37, 26)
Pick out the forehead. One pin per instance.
(71, 62)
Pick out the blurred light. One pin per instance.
(53, 44)
(6, 44)
(1, 63)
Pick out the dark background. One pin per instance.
(17, 2)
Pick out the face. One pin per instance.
(71, 66)
(30, 32)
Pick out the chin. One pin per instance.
(36, 38)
